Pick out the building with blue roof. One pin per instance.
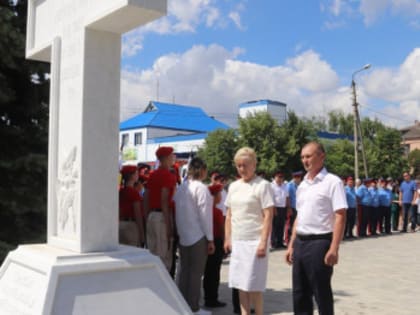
(163, 124)
(186, 127)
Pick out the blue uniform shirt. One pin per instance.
(375, 197)
(351, 196)
(407, 189)
(384, 197)
(292, 187)
(364, 196)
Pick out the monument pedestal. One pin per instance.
(41, 279)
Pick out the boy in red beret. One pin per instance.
(158, 194)
(211, 278)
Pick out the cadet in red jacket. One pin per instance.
(131, 230)
(158, 195)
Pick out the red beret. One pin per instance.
(349, 178)
(128, 169)
(214, 189)
(164, 151)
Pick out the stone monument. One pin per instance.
(82, 269)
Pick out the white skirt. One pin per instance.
(247, 272)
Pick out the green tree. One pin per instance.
(262, 133)
(340, 123)
(384, 153)
(23, 134)
(340, 158)
(414, 161)
(297, 132)
(219, 149)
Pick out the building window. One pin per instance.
(138, 137)
(124, 139)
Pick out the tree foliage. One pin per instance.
(277, 147)
(414, 161)
(262, 133)
(219, 148)
(340, 158)
(23, 134)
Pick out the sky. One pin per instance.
(216, 54)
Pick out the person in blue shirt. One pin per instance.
(292, 187)
(351, 211)
(365, 199)
(374, 213)
(385, 200)
(407, 198)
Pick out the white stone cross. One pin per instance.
(82, 40)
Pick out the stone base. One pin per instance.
(40, 279)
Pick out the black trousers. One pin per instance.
(373, 220)
(350, 221)
(279, 221)
(364, 220)
(211, 278)
(311, 277)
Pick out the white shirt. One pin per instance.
(316, 203)
(194, 212)
(280, 194)
(246, 201)
(221, 204)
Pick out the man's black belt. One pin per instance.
(127, 219)
(311, 237)
(157, 210)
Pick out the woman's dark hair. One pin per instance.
(195, 167)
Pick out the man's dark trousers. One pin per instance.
(311, 277)
(408, 211)
(364, 221)
(279, 221)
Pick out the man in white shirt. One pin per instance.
(281, 203)
(318, 229)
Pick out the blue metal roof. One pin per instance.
(261, 102)
(173, 116)
(196, 136)
(333, 136)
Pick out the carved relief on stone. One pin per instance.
(68, 179)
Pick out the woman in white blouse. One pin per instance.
(194, 222)
(249, 203)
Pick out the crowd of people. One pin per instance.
(202, 223)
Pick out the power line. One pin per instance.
(386, 115)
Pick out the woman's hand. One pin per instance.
(262, 249)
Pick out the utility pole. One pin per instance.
(358, 129)
(355, 130)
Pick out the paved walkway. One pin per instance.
(375, 276)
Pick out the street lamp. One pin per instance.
(357, 128)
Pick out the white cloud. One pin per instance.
(236, 18)
(338, 11)
(397, 85)
(213, 78)
(373, 9)
(184, 16)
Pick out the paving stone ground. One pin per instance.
(375, 276)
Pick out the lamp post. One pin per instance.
(357, 128)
